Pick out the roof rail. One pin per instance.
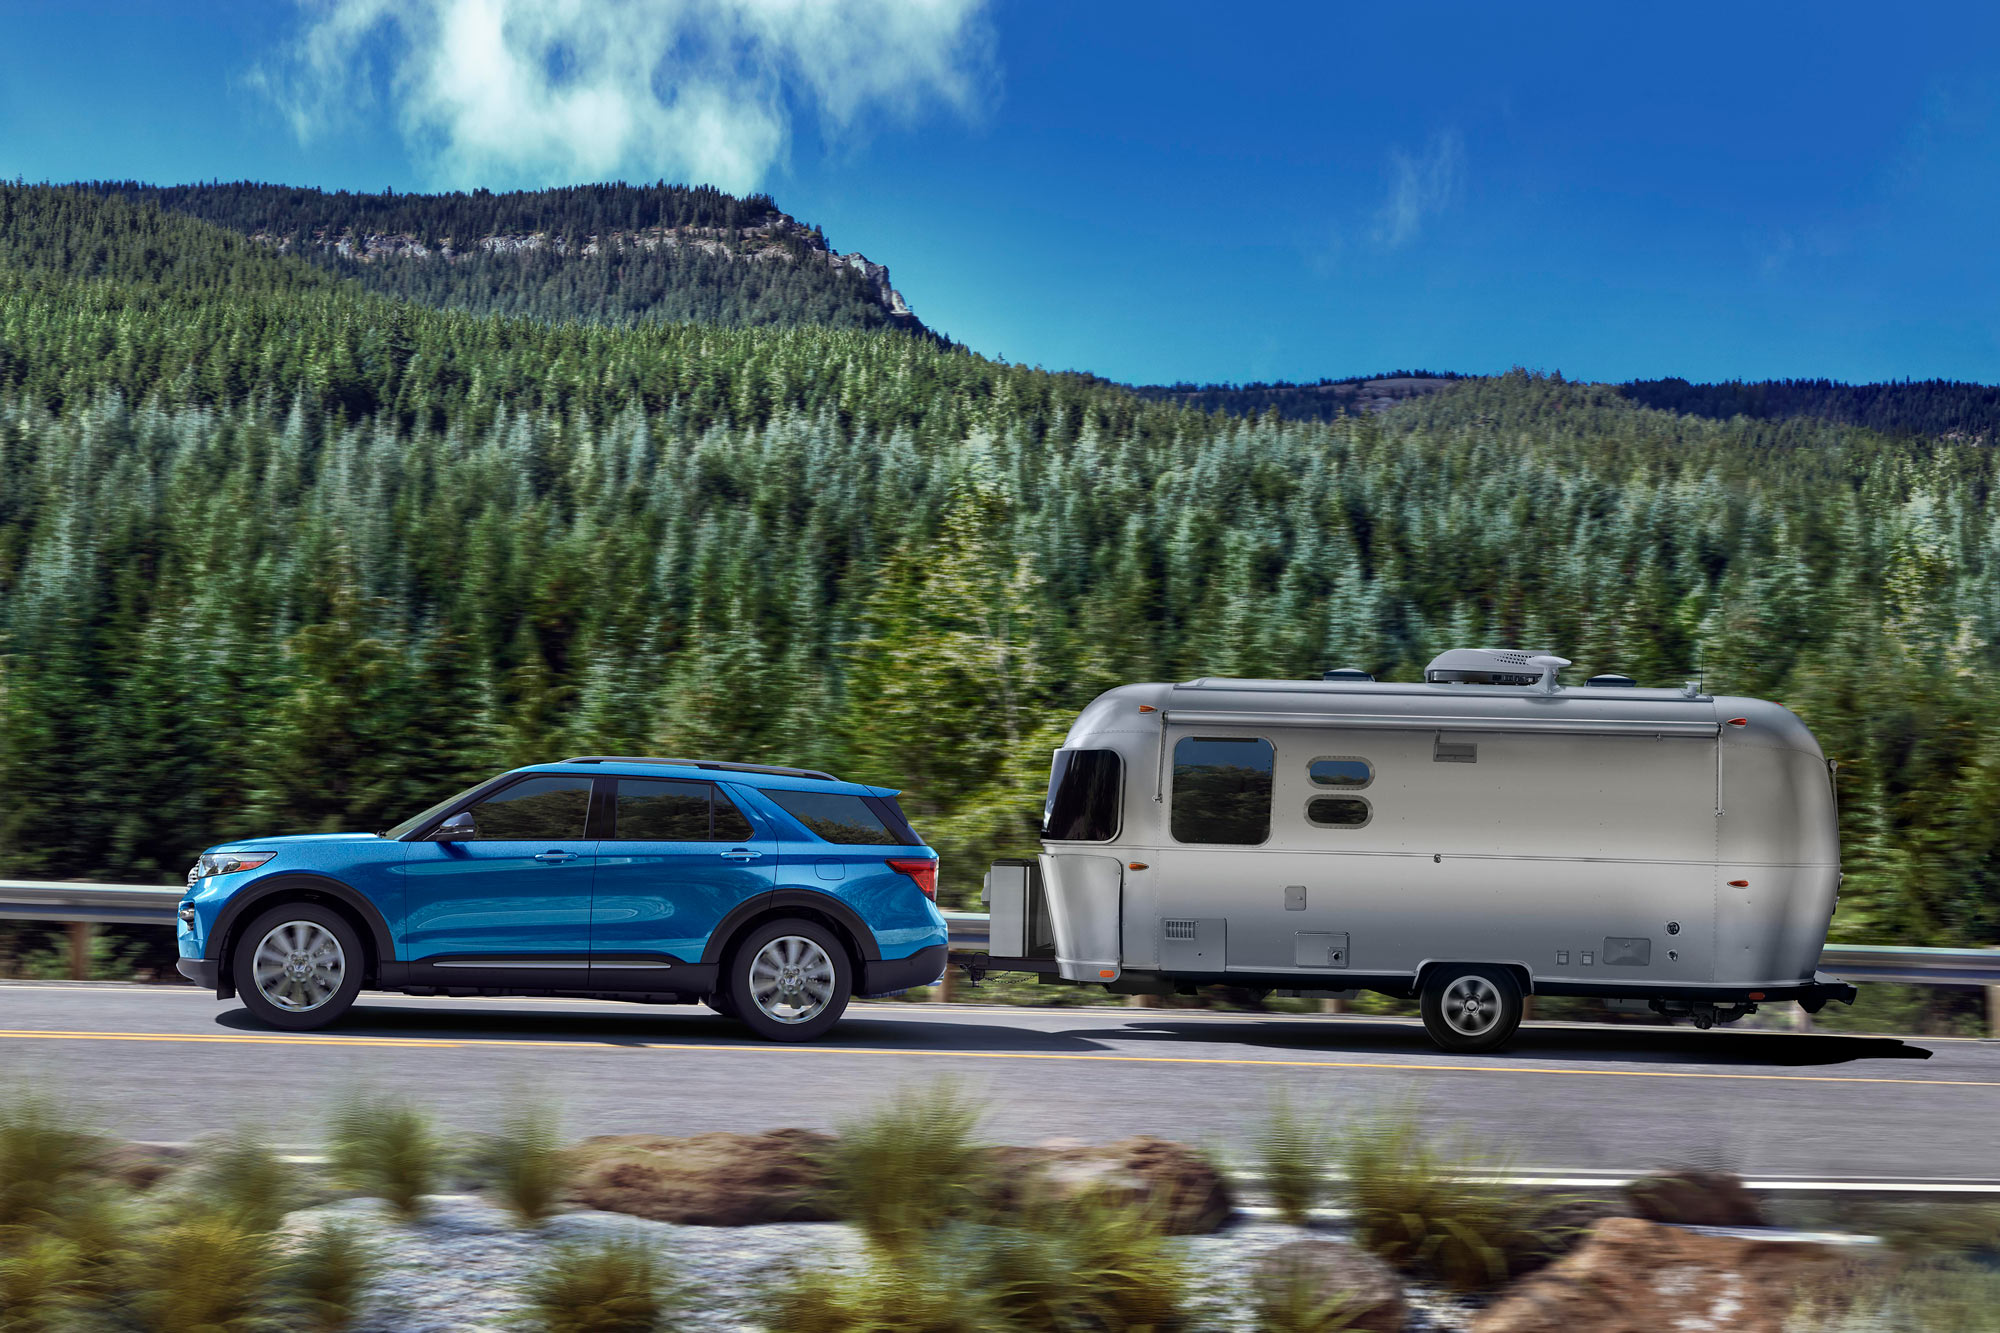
(773, 769)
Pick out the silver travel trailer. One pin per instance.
(1481, 836)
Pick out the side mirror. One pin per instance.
(459, 828)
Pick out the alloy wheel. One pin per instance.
(299, 966)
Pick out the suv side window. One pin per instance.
(553, 808)
(661, 810)
(671, 810)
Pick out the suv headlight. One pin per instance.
(226, 863)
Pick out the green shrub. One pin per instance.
(614, 1286)
(325, 1279)
(1413, 1204)
(1083, 1266)
(1930, 1296)
(910, 1168)
(44, 1160)
(1295, 1301)
(387, 1148)
(204, 1273)
(913, 1291)
(527, 1165)
(40, 1285)
(1292, 1149)
(243, 1179)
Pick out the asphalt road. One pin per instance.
(170, 1063)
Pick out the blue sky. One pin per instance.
(1155, 191)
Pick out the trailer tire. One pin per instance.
(1470, 1008)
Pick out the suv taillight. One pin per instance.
(922, 869)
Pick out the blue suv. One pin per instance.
(769, 894)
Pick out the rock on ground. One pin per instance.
(1634, 1276)
(1186, 1192)
(1353, 1288)
(710, 1180)
(1694, 1197)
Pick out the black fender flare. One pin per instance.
(825, 904)
(243, 904)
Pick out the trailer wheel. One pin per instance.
(1469, 1009)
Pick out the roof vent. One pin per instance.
(1494, 666)
(1614, 681)
(1345, 673)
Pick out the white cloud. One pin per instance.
(1420, 186)
(519, 92)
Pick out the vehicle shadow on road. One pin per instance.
(1579, 1044)
(676, 1026)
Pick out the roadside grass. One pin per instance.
(1411, 1202)
(913, 1166)
(325, 1279)
(525, 1163)
(916, 1292)
(203, 1273)
(612, 1286)
(243, 1179)
(1293, 1147)
(44, 1160)
(1080, 1265)
(387, 1148)
(1937, 1295)
(1294, 1300)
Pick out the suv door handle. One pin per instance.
(554, 858)
(741, 854)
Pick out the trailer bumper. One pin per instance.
(1815, 994)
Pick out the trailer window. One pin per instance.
(1352, 774)
(1083, 796)
(1222, 790)
(1337, 811)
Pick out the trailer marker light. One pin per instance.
(1135, 865)
(1148, 708)
(1739, 721)
(1739, 883)
(1756, 995)
(1107, 972)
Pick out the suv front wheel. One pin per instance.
(789, 980)
(298, 966)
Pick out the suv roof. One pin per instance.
(772, 769)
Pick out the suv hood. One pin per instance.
(291, 840)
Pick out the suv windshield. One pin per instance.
(425, 816)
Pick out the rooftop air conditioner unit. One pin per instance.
(1494, 666)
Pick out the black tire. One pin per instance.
(802, 1000)
(311, 972)
(1470, 1008)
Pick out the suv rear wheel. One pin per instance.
(789, 980)
(1469, 1008)
(298, 966)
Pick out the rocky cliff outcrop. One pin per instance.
(781, 239)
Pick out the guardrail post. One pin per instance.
(949, 986)
(79, 950)
(1993, 1012)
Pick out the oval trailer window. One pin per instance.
(1353, 774)
(1337, 811)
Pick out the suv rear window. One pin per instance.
(839, 817)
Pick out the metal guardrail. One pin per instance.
(85, 904)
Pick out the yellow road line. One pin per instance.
(1098, 1056)
(245, 1039)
